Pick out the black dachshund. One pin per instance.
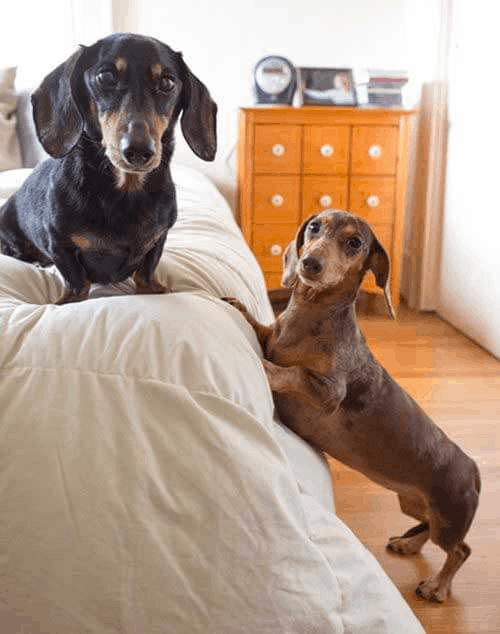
(101, 206)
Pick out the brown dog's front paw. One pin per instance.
(236, 304)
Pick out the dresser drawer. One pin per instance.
(269, 243)
(277, 149)
(373, 197)
(276, 199)
(273, 280)
(374, 150)
(326, 149)
(384, 235)
(323, 192)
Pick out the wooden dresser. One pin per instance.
(293, 162)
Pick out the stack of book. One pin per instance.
(385, 87)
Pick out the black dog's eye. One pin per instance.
(354, 243)
(314, 227)
(107, 79)
(166, 84)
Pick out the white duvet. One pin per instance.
(144, 486)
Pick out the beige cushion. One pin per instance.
(10, 153)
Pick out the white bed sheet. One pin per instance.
(144, 485)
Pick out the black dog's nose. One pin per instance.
(135, 154)
(136, 146)
(312, 265)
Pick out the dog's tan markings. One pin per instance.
(129, 182)
(82, 242)
(159, 123)
(110, 123)
(121, 64)
(349, 231)
(68, 296)
(93, 242)
(143, 287)
(92, 108)
(156, 71)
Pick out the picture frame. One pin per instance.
(327, 86)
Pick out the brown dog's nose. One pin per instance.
(312, 265)
(136, 146)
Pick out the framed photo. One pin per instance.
(327, 86)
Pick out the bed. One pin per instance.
(145, 484)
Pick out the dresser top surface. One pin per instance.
(326, 114)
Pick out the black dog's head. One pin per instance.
(126, 92)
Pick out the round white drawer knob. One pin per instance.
(277, 200)
(373, 201)
(326, 150)
(278, 149)
(375, 151)
(276, 249)
(325, 201)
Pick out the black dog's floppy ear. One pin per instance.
(290, 262)
(58, 121)
(199, 117)
(299, 238)
(380, 264)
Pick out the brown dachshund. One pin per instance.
(331, 391)
(101, 206)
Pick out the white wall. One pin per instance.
(37, 35)
(469, 294)
(222, 40)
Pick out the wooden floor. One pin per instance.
(458, 384)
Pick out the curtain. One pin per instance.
(422, 262)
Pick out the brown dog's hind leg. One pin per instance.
(412, 541)
(438, 588)
(449, 520)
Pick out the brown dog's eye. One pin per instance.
(166, 84)
(354, 243)
(106, 79)
(314, 227)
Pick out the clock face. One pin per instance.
(273, 75)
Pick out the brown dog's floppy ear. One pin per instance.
(380, 264)
(199, 117)
(299, 238)
(290, 262)
(58, 121)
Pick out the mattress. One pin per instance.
(146, 485)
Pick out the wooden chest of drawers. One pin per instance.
(293, 162)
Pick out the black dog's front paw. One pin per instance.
(70, 295)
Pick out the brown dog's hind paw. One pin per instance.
(405, 545)
(433, 590)
(411, 542)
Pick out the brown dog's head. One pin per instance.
(333, 250)
(126, 92)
